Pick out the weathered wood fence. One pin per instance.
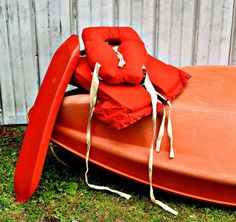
(180, 32)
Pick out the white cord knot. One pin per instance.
(93, 99)
(169, 131)
(120, 56)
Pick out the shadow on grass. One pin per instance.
(99, 176)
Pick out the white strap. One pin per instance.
(93, 99)
(161, 131)
(56, 156)
(120, 56)
(151, 90)
(169, 131)
(161, 96)
(169, 128)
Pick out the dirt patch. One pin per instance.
(11, 136)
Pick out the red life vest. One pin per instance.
(118, 105)
(122, 105)
(97, 42)
(168, 80)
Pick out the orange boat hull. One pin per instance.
(204, 129)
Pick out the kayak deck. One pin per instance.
(204, 128)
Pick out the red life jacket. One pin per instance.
(168, 80)
(118, 105)
(97, 42)
(122, 105)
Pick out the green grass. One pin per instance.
(63, 195)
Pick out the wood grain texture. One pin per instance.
(179, 32)
(215, 20)
(232, 57)
(53, 26)
(175, 36)
(19, 78)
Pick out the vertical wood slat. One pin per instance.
(188, 31)
(18, 88)
(148, 24)
(95, 13)
(27, 54)
(163, 35)
(16, 62)
(53, 26)
(7, 89)
(124, 13)
(83, 17)
(215, 21)
(137, 15)
(175, 36)
(232, 59)
(141, 16)
(1, 108)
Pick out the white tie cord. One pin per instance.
(120, 56)
(151, 90)
(93, 99)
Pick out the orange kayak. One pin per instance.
(204, 129)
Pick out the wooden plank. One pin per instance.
(84, 17)
(215, 21)
(175, 36)
(73, 14)
(7, 88)
(102, 13)
(164, 27)
(148, 24)
(233, 61)
(16, 61)
(53, 25)
(43, 36)
(20, 63)
(95, 13)
(1, 117)
(187, 42)
(137, 15)
(108, 17)
(140, 15)
(232, 56)
(124, 12)
(28, 53)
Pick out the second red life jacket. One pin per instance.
(118, 105)
(168, 80)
